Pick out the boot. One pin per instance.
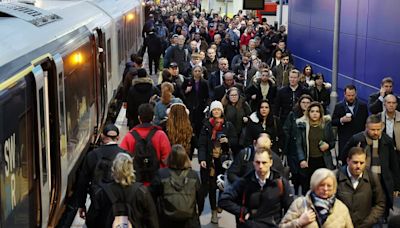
(214, 217)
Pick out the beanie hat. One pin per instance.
(216, 104)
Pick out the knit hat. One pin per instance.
(216, 104)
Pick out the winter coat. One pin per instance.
(285, 100)
(160, 110)
(144, 210)
(388, 158)
(157, 190)
(86, 175)
(302, 142)
(206, 144)
(322, 96)
(243, 164)
(153, 44)
(366, 203)
(281, 74)
(255, 89)
(290, 147)
(339, 216)
(357, 123)
(140, 92)
(265, 203)
(181, 56)
(211, 66)
(235, 115)
(254, 128)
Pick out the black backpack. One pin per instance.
(122, 214)
(145, 158)
(179, 196)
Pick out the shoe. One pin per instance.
(219, 210)
(214, 217)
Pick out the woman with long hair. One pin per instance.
(320, 92)
(216, 138)
(307, 76)
(141, 211)
(236, 109)
(290, 129)
(314, 141)
(178, 178)
(178, 128)
(165, 101)
(319, 207)
(275, 60)
(263, 121)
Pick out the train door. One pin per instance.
(43, 139)
(101, 75)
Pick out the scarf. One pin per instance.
(323, 206)
(217, 126)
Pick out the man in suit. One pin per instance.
(375, 101)
(216, 78)
(349, 116)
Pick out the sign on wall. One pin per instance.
(253, 4)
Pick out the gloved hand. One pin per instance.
(221, 182)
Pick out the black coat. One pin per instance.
(375, 105)
(285, 100)
(273, 128)
(196, 102)
(141, 91)
(242, 164)
(357, 124)
(322, 96)
(388, 158)
(240, 70)
(153, 44)
(302, 141)
(157, 191)
(141, 201)
(290, 147)
(268, 201)
(255, 89)
(86, 174)
(206, 145)
(213, 81)
(220, 91)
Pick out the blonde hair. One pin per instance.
(321, 174)
(122, 169)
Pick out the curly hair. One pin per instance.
(178, 128)
(122, 169)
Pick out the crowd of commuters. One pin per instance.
(229, 88)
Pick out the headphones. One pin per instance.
(176, 104)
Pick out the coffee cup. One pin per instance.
(348, 115)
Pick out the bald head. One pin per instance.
(390, 102)
(263, 141)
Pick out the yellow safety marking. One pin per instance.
(14, 79)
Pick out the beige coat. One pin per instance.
(339, 215)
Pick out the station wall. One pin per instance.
(369, 47)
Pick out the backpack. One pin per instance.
(160, 31)
(179, 198)
(121, 215)
(145, 158)
(101, 173)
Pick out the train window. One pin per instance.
(79, 97)
(109, 58)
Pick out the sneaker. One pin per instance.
(214, 217)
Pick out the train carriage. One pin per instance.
(60, 66)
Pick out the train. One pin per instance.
(61, 64)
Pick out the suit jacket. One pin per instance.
(357, 124)
(213, 81)
(388, 159)
(375, 105)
